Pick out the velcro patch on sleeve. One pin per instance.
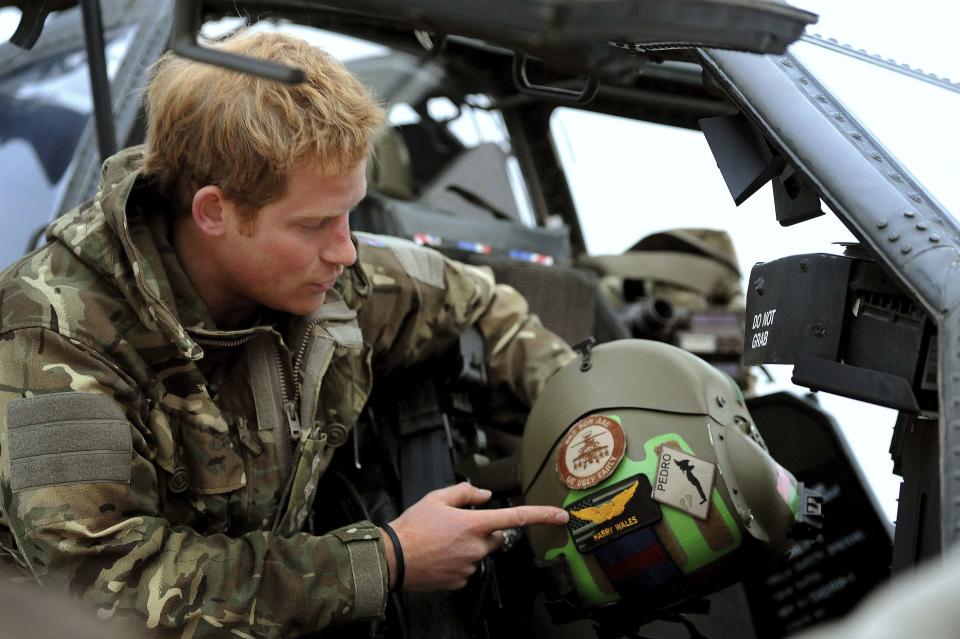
(420, 263)
(67, 438)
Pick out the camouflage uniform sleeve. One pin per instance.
(521, 353)
(84, 504)
(422, 301)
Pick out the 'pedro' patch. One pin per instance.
(590, 452)
(611, 513)
(67, 438)
(684, 482)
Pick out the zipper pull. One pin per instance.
(356, 446)
(293, 420)
(247, 438)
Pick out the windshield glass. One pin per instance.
(45, 106)
(622, 195)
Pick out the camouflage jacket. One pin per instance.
(161, 469)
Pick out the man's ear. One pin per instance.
(210, 210)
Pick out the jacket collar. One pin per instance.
(123, 234)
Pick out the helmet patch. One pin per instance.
(590, 452)
(787, 487)
(612, 512)
(684, 482)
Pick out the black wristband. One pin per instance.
(398, 553)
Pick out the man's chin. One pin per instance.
(303, 301)
(308, 304)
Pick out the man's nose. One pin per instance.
(340, 249)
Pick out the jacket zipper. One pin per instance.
(290, 402)
(289, 399)
(248, 467)
(302, 350)
(225, 343)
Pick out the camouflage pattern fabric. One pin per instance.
(200, 534)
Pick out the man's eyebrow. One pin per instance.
(313, 215)
(318, 214)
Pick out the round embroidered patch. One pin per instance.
(590, 451)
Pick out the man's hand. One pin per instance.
(443, 541)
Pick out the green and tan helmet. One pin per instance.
(669, 486)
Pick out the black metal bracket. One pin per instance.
(794, 198)
(585, 349)
(473, 368)
(743, 156)
(747, 162)
(33, 15)
(99, 81)
(187, 19)
(876, 387)
(558, 94)
(915, 448)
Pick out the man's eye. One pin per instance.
(315, 226)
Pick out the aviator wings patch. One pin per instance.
(612, 512)
(607, 510)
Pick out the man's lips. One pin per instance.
(322, 286)
(325, 285)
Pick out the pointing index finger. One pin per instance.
(517, 516)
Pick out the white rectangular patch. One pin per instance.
(684, 482)
(419, 262)
(698, 342)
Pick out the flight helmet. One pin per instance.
(670, 488)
